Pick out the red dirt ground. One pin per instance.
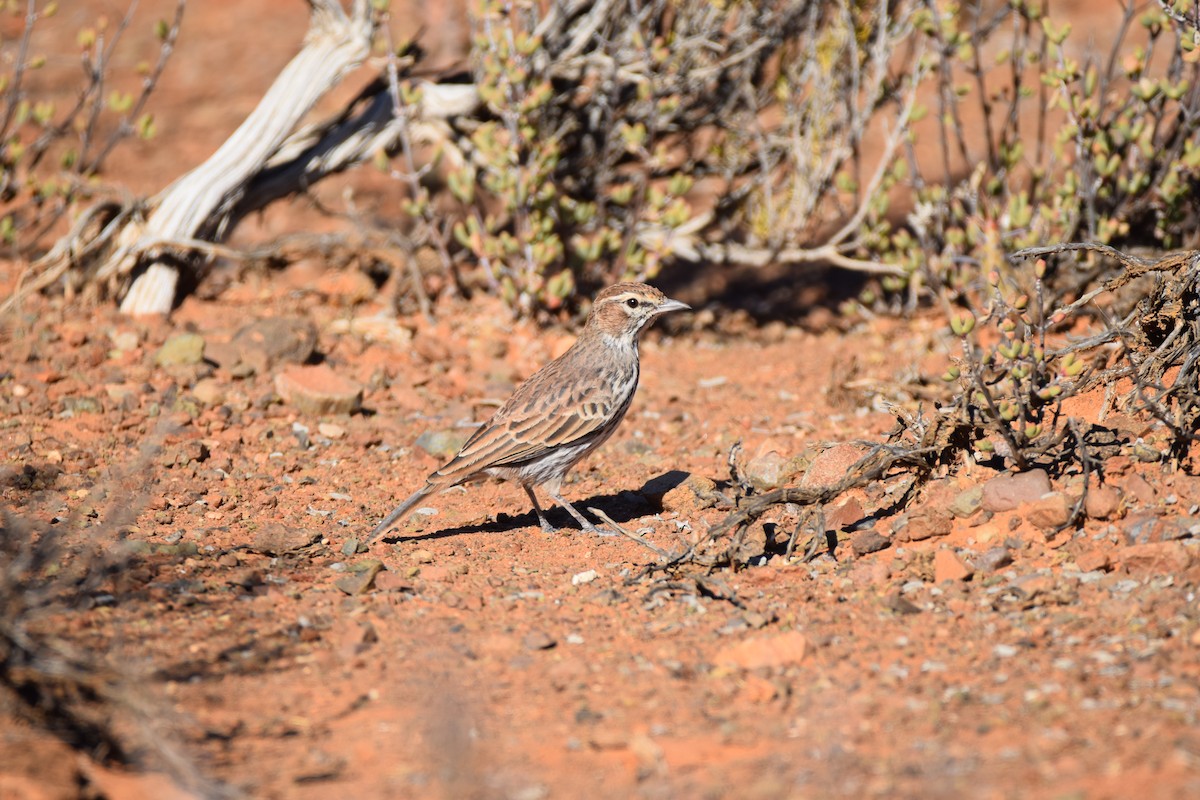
(492, 660)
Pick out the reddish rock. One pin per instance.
(318, 390)
(388, 581)
(694, 494)
(864, 542)
(435, 572)
(1048, 512)
(780, 650)
(924, 525)
(1008, 491)
(1102, 502)
(947, 566)
(844, 515)
(832, 466)
(768, 471)
(1093, 560)
(1138, 488)
(1156, 558)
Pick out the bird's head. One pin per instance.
(623, 310)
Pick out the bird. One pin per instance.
(563, 411)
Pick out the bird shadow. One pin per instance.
(621, 507)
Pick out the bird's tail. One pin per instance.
(400, 511)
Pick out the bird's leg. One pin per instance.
(580, 518)
(537, 508)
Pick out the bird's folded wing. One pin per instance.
(525, 434)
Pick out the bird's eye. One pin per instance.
(632, 302)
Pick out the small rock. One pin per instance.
(1048, 512)
(694, 494)
(441, 444)
(1138, 488)
(1156, 558)
(350, 546)
(421, 557)
(124, 341)
(352, 639)
(1102, 502)
(924, 524)
(318, 390)
(947, 566)
(538, 640)
(331, 430)
(831, 466)
(1092, 560)
(767, 472)
(209, 391)
(1008, 491)
(263, 345)
(182, 349)
(437, 573)
(277, 539)
(781, 650)
(587, 576)
(845, 515)
(350, 286)
(361, 580)
(993, 559)
(387, 581)
(966, 502)
(899, 604)
(864, 542)
(81, 405)
(753, 544)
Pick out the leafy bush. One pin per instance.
(49, 155)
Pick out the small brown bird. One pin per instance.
(564, 411)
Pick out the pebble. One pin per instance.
(1049, 512)
(209, 391)
(124, 341)
(767, 472)
(947, 566)
(831, 466)
(441, 443)
(993, 559)
(1156, 558)
(864, 542)
(420, 557)
(966, 502)
(276, 539)
(538, 640)
(900, 604)
(1102, 502)
(1008, 491)
(694, 494)
(1093, 560)
(587, 576)
(182, 349)
(361, 580)
(331, 430)
(318, 390)
(780, 650)
(265, 344)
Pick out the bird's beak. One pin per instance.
(672, 305)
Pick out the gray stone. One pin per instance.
(1008, 491)
(183, 349)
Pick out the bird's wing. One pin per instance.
(530, 425)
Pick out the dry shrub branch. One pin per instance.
(95, 706)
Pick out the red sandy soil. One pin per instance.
(489, 659)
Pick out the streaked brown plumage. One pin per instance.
(564, 411)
